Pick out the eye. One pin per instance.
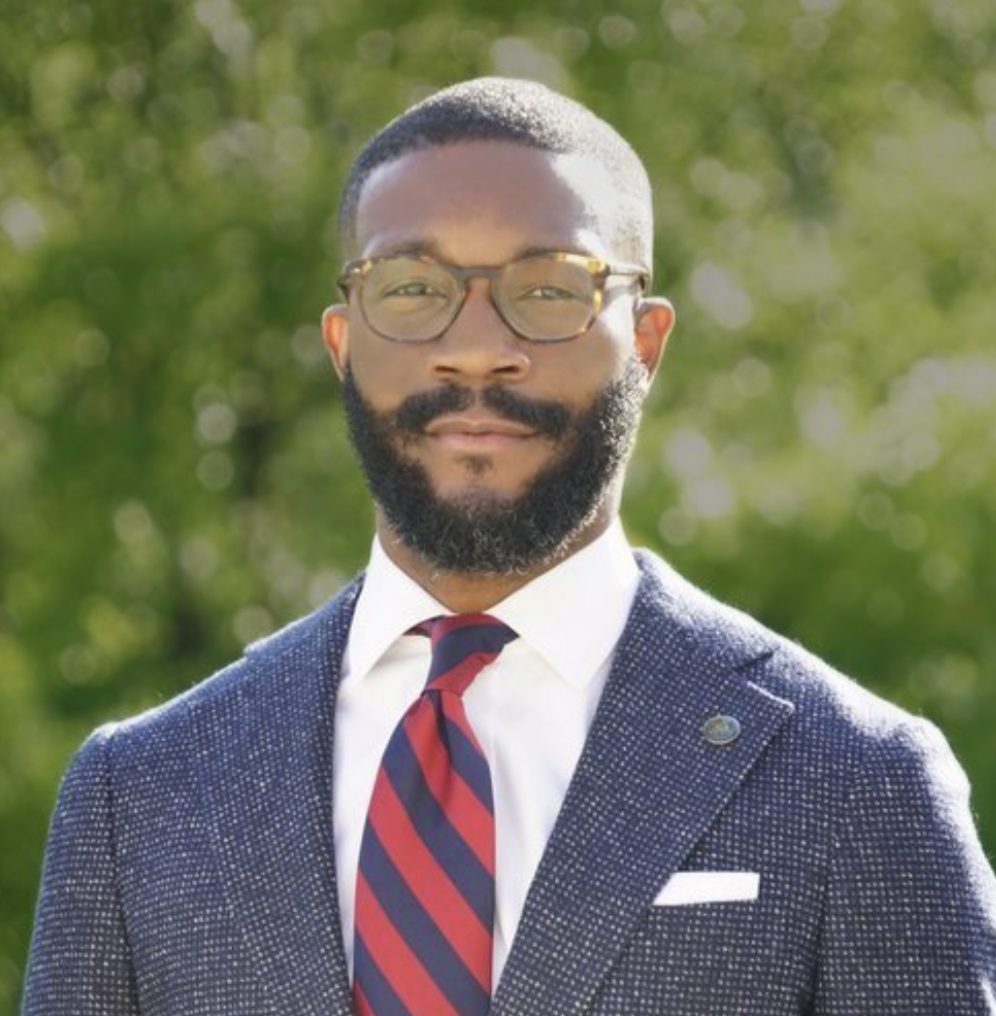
(547, 293)
(413, 287)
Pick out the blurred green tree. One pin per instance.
(174, 474)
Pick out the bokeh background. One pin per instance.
(174, 476)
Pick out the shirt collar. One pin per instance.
(389, 603)
(571, 615)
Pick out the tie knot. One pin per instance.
(462, 646)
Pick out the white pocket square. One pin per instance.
(708, 887)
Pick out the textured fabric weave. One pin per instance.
(425, 894)
(189, 868)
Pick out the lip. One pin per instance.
(480, 434)
(477, 425)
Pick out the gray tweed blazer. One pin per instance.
(190, 869)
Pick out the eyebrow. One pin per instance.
(430, 248)
(408, 247)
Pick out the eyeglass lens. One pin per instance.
(413, 300)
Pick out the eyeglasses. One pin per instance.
(544, 298)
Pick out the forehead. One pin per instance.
(484, 202)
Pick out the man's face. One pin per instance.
(481, 431)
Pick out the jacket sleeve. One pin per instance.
(79, 962)
(910, 920)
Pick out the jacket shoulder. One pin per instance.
(247, 679)
(825, 699)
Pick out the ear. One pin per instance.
(335, 335)
(654, 321)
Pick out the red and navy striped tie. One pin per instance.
(425, 891)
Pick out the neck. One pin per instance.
(467, 593)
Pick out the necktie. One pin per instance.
(425, 894)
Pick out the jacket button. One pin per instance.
(721, 730)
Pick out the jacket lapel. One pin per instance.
(265, 734)
(646, 787)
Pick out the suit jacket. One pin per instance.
(190, 869)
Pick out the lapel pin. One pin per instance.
(721, 730)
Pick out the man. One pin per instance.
(611, 794)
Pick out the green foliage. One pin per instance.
(174, 475)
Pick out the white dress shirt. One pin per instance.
(530, 708)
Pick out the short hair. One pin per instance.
(523, 112)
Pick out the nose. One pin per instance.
(478, 345)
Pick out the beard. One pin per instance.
(481, 532)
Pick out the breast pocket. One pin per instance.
(714, 942)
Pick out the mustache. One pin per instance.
(548, 418)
